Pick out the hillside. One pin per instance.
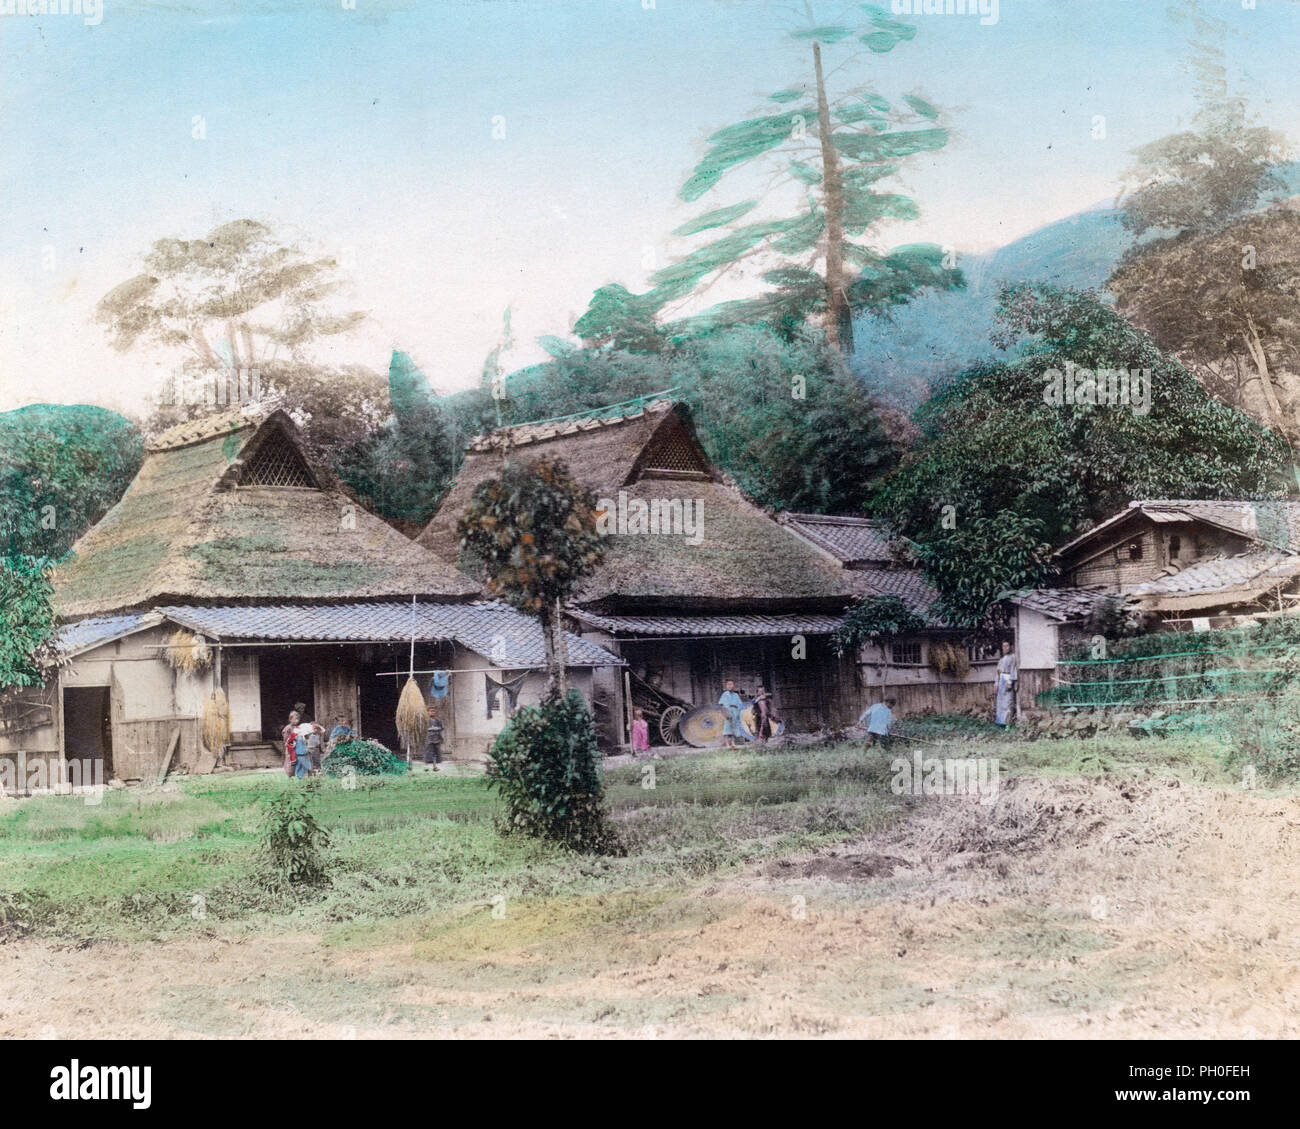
(907, 354)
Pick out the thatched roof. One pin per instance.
(745, 559)
(231, 508)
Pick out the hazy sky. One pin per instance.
(366, 130)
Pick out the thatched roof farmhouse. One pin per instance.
(234, 546)
(698, 583)
(230, 508)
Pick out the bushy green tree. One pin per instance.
(1002, 471)
(533, 530)
(402, 466)
(61, 469)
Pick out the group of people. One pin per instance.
(765, 719)
(306, 744)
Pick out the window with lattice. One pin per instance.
(905, 652)
(276, 463)
(674, 453)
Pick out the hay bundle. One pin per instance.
(949, 659)
(412, 716)
(187, 652)
(216, 722)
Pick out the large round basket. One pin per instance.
(703, 726)
(749, 723)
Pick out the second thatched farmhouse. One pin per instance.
(698, 585)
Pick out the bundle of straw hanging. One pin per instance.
(950, 659)
(412, 716)
(187, 652)
(216, 722)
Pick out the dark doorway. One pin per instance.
(88, 730)
(378, 691)
(380, 677)
(285, 676)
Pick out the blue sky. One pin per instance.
(368, 132)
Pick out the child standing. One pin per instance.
(640, 733)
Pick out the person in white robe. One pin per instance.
(1007, 684)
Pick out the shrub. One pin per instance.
(546, 765)
(1266, 734)
(365, 758)
(293, 844)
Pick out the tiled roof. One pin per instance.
(909, 585)
(75, 638)
(495, 630)
(1061, 603)
(523, 433)
(697, 626)
(1249, 573)
(851, 540)
(1275, 523)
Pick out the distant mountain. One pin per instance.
(920, 346)
(924, 344)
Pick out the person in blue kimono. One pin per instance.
(876, 719)
(731, 702)
(302, 757)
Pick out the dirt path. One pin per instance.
(1066, 909)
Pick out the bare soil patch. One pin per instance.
(1067, 908)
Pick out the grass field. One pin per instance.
(1114, 887)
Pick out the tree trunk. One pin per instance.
(1256, 349)
(839, 323)
(548, 641)
(561, 649)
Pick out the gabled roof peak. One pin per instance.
(208, 427)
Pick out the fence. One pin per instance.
(1199, 675)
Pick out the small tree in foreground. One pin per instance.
(534, 530)
(292, 848)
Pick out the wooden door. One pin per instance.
(335, 680)
(244, 690)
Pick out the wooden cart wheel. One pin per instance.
(668, 725)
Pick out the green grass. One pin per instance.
(425, 848)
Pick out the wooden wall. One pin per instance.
(957, 697)
(812, 686)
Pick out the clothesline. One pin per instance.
(473, 670)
